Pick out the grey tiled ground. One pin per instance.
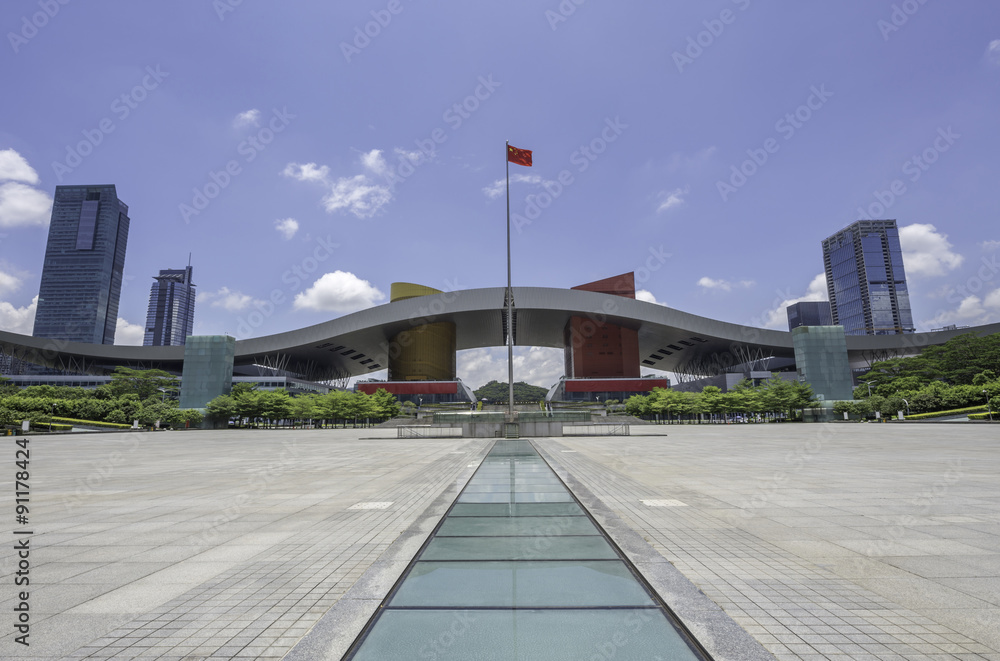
(823, 541)
(209, 544)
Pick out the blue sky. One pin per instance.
(325, 150)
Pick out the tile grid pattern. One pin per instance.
(796, 609)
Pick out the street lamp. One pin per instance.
(907, 405)
(869, 384)
(988, 407)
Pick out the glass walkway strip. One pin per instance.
(517, 570)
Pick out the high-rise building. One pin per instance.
(809, 313)
(866, 281)
(170, 319)
(84, 261)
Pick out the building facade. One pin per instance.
(84, 261)
(170, 318)
(866, 280)
(809, 313)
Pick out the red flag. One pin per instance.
(519, 156)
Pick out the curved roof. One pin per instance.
(359, 343)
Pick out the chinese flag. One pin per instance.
(519, 156)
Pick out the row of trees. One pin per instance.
(144, 395)
(772, 399)
(246, 406)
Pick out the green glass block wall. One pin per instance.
(821, 360)
(208, 369)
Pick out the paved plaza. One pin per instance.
(833, 541)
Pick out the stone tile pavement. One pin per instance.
(822, 541)
(837, 541)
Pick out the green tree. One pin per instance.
(222, 407)
(143, 383)
(384, 404)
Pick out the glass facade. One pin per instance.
(170, 318)
(822, 362)
(84, 261)
(866, 280)
(809, 313)
(208, 369)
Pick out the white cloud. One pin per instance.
(538, 366)
(360, 194)
(927, 252)
(499, 187)
(18, 320)
(990, 245)
(128, 334)
(646, 295)
(306, 172)
(9, 282)
(777, 318)
(338, 292)
(247, 119)
(287, 227)
(672, 199)
(971, 311)
(723, 285)
(227, 299)
(22, 205)
(14, 167)
(993, 52)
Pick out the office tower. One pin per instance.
(84, 261)
(809, 313)
(170, 319)
(866, 281)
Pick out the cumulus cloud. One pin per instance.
(927, 252)
(129, 334)
(538, 366)
(723, 285)
(14, 167)
(21, 204)
(247, 119)
(499, 187)
(990, 245)
(993, 52)
(646, 295)
(338, 292)
(306, 172)
(672, 199)
(18, 320)
(227, 299)
(9, 282)
(287, 227)
(361, 195)
(777, 318)
(971, 311)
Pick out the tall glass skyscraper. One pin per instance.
(170, 319)
(84, 261)
(866, 281)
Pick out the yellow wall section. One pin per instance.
(426, 352)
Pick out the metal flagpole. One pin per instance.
(510, 302)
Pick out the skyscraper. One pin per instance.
(84, 261)
(170, 318)
(866, 281)
(809, 313)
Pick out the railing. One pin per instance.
(598, 429)
(428, 431)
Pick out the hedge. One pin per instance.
(92, 423)
(938, 414)
(44, 426)
(984, 416)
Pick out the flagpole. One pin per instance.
(510, 302)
